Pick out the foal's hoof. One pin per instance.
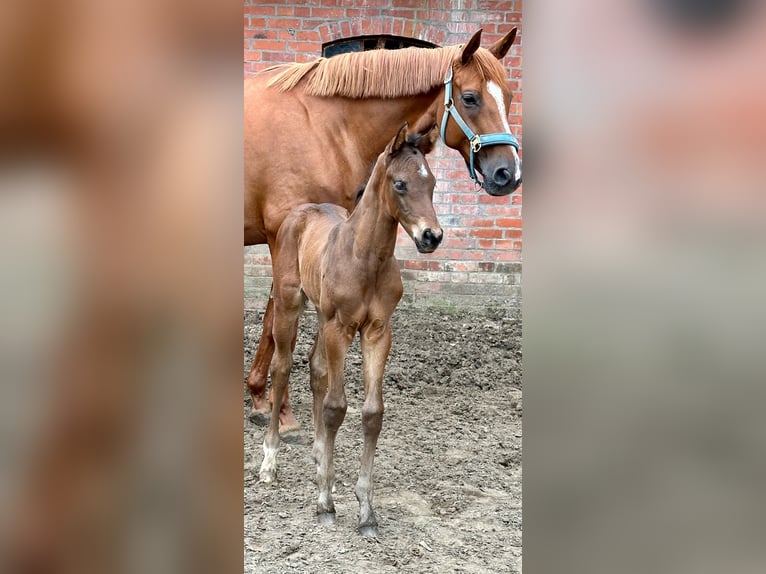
(326, 518)
(369, 531)
(268, 476)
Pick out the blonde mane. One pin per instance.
(382, 73)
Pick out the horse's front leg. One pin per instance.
(337, 340)
(376, 345)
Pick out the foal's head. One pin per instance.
(409, 187)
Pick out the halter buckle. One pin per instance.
(475, 143)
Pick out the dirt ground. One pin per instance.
(448, 467)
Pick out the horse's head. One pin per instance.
(473, 115)
(409, 187)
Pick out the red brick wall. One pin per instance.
(480, 259)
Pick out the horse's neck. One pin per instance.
(375, 121)
(372, 225)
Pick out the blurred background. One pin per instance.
(644, 275)
(120, 286)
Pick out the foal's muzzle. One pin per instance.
(429, 240)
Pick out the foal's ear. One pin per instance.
(424, 141)
(473, 44)
(400, 139)
(500, 48)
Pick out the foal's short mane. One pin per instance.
(382, 73)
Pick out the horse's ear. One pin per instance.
(500, 48)
(473, 44)
(425, 141)
(397, 143)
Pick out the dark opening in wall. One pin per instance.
(377, 42)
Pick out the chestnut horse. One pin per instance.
(345, 266)
(313, 130)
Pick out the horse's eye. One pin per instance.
(470, 99)
(400, 186)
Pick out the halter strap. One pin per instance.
(477, 141)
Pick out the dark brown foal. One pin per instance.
(345, 266)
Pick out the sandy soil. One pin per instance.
(448, 464)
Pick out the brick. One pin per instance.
(257, 23)
(401, 13)
(508, 222)
(487, 233)
(497, 200)
(270, 45)
(327, 13)
(261, 10)
(504, 244)
(283, 23)
(478, 222)
(465, 209)
(277, 57)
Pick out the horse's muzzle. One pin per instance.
(429, 240)
(502, 182)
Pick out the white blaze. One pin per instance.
(496, 92)
(423, 171)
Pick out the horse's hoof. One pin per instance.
(326, 518)
(259, 418)
(369, 531)
(288, 423)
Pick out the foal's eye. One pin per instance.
(470, 99)
(400, 186)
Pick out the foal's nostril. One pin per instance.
(502, 177)
(431, 238)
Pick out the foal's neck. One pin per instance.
(372, 223)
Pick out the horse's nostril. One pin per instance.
(502, 176)
(428, 236)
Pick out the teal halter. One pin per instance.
(477, 141)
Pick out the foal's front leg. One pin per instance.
(337, 340)
(376, 345)
(318, 378)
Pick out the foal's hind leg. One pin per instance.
(287, 311)
(376, 344)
